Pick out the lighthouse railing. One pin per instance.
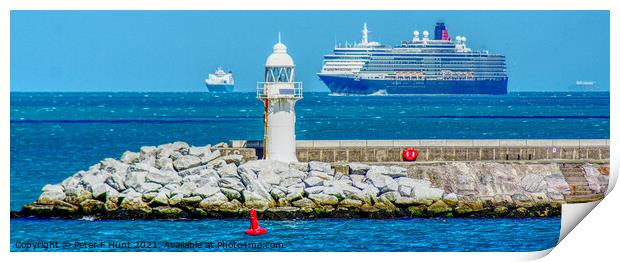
(279, 90)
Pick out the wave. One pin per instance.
(241, 118)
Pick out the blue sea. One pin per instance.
(54, 135)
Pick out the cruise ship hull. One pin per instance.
(221, 88)
(351, 86)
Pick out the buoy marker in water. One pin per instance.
(255, 229)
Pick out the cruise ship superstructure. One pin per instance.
(220, 81)
(422, 65)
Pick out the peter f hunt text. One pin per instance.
(137, 245)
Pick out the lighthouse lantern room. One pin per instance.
(279, 92)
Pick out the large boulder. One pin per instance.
(230, 193)
(206, 191)
(314, 190)
(382, 182)
(185, 162)
(358, 168)
(213, 201)
(533, 183)
(438, 208)
(199, 151)
(130, 157)
(233, 159)
(231, 183)
(323, 199)
(321, 167)
(557, 183)
(428, 193)
(304, 203)
(133, 201)
(252, 184)
(51, 194)
(253, 200)
(91, 206)
(163, 177)
(392, 171)
(228, 170)
(313, 181)
(148, 152)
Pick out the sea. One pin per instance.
(54, 135)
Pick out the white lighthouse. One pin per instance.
(279, 92)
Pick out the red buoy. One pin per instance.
(410, 154)
(255, 229)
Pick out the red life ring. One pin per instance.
(410, 154)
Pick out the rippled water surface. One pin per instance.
(54, 135)
(302, 235)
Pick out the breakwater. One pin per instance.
(445, 150)
(181, 181)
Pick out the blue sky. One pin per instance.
(175, 50)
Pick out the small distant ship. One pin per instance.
(424, 64)
(220, 81)
(584, 86)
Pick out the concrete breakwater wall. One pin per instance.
(443, 150)
(179, 181)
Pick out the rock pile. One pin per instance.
(179, 181)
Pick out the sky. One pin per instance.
(159, 51)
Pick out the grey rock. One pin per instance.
(391, 196)
(133, 201)
(334, 191)
(130, 157)
(199, 151)
(392, 171)
(428, 193)
(254, 200)
(135, 179)
(175, 199)
(230, 193)
(161, 199)
(323, 199)
(210, 157)
(382, 182)
(320, 166)
(304, 202)
(533, 183)
(251, 182)
(148, 152)
(557, 183)
(299, 166)
(99, 190)
(450, 199)
(231, 183)
(358, 169)
(233, 159)
(313, 181)
(228, 170)
(277, 193)
(163, 177)
(51, 197)
(213, 201)
(520, 198)
(164, 164)
(321, 175)
(555, 196)
(350, 203)
(206, 191)
(405, 191)
(185, 162)
(314, 190)
(148, 187)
